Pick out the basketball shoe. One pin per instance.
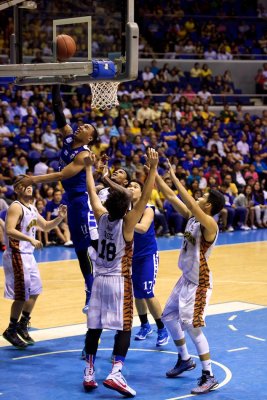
(116, 381)
(144, 331)
(181, 366)
(205, 384)
(23, 332)
(89, 382)
(12, 337)
(163, 337)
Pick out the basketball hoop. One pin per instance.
(104, 94)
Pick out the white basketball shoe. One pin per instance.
(116, 381)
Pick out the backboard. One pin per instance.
(101, 29)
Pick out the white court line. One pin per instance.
(232, 327)
(256, 338)
(228, 373)
(254, 309)
(80, 329)
(232, 318)
(227, 379)
(240, 348)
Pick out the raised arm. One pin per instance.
(64, 128)
(133, 216)
(205, 220)
(96, 204)
(172, 198)
(46, 226)
(72, 169)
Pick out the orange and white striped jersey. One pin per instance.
(114, 254)
(193, 259)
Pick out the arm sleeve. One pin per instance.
(58, 107)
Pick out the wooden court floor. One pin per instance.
(239, 274)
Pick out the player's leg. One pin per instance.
(91, 346)
(144, 278)
(35, 291)
(115, 380)
(121, 288)
(199, 297)
(78, 217)
(171, 317)
(156, 312)
(16, 289)
(11, 334)
(24, 322)
(207, 381)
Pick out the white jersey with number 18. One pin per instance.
(114, 254)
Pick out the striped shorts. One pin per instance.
(111, 303)
(188, 304)
(22, 277)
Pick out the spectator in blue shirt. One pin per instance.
(23, 140)
(125, 146)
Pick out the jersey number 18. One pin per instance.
(108, 250)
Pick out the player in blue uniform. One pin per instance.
(144, 271)
(72, 174)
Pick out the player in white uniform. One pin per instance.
(111, 303)
(22, 278)
(187, 304)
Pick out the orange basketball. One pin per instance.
(66, 47)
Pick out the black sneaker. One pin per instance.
(12, 337)
(181, 366)
(205, 384)
(22, 330)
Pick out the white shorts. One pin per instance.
(188, 304)
(22, 277)
(111, 303)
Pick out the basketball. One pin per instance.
(66, 47)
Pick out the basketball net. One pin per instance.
(104, 94)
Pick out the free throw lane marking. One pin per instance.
(240, 348)
(232, 318)
(256, 338)
(232, 327)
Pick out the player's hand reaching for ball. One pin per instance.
(171, 170)
(36, 243)
(152, 158)
(90, 159)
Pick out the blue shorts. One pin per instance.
(78, 220)
(144, 272)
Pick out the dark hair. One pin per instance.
(117, 204)
(138, 182)
(217, 201)
(128, 176)
(94, 137)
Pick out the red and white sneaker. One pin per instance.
(89, 382)
(116, 381)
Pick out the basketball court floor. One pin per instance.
(236, 330)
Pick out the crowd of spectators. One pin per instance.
(227, 151)
(217, 30)
(222, 30)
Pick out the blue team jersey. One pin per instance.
(76, 184)
(145, 243)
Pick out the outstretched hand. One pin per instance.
(152, 158)
(62, 211)
(23, 181)
(170, 170)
